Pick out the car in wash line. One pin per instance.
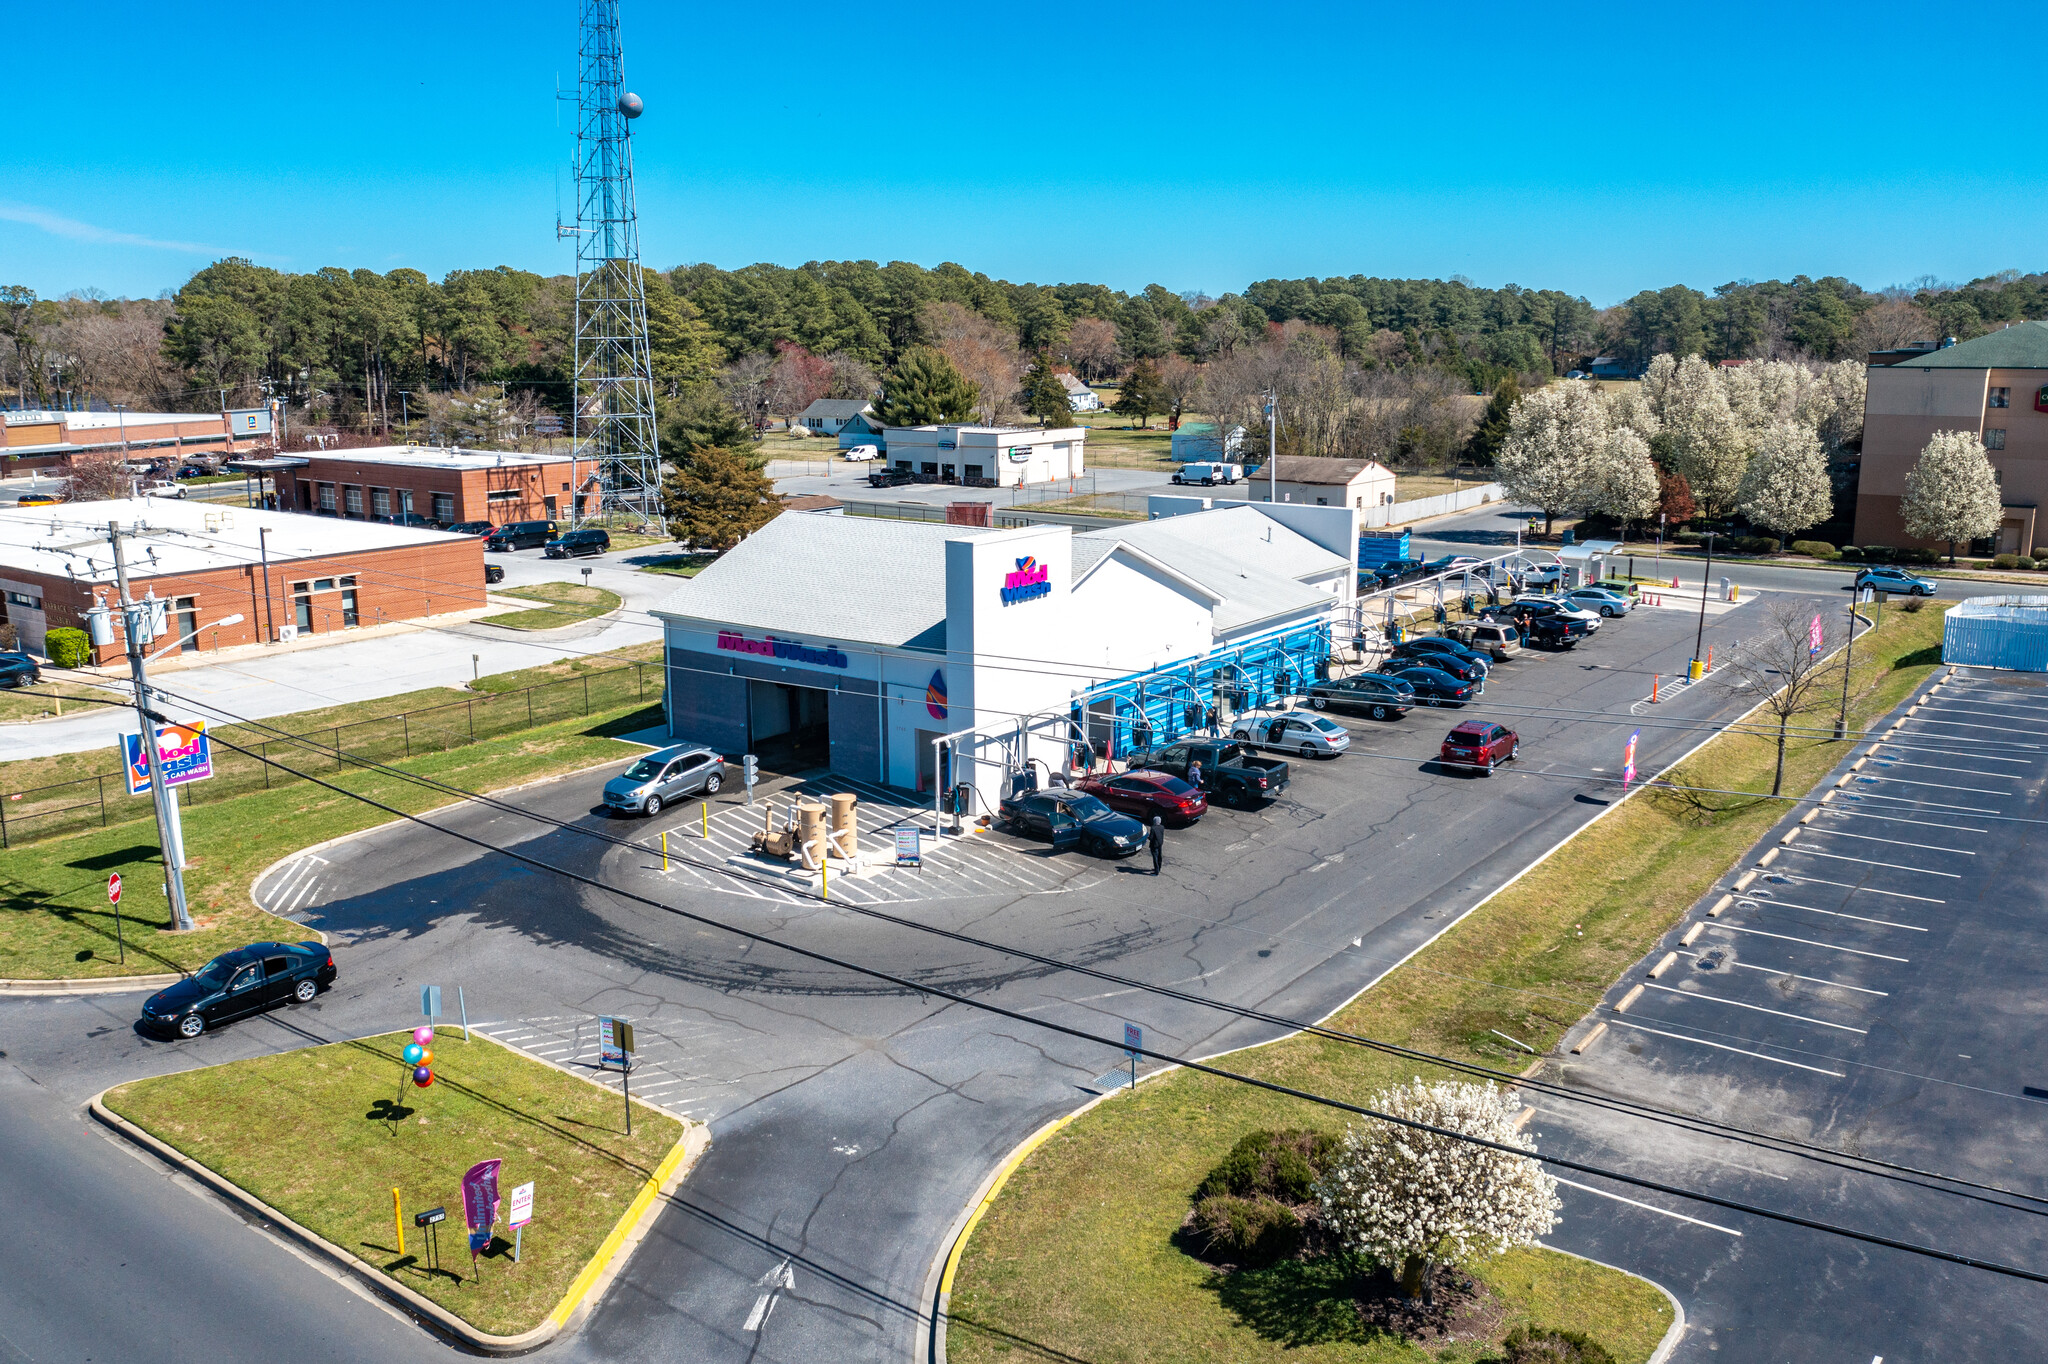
(1456, 660)
(664, 777)
(236, 984)
(1229, 770)
(1481, 745)
(1598, 600)
(1374, 694)
(1067, 818)
(1142, 795)
(1311, 736)
(1434, 687)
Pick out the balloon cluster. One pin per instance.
(420, 1056)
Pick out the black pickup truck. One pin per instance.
(1229, 771)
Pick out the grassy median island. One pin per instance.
(324, 1135)
(1078, 1256)
(562, 604)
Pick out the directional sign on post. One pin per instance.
(1134, 1038)
(430, 1001)
(114, 889)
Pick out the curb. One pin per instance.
(92, 985)
(584, 1291)
(1674, 1334)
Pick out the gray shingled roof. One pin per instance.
(829, 577)
(834, 409)
(1321, 469)
(1244, 556)
(2024, 345)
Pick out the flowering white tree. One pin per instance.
(1410, 1200)
(1701, 438)
(1630, 406)
(1553, 437)
(1951, 494)
(1622, 481)
(1764, 391)
(1786, 488)
(1833, 405)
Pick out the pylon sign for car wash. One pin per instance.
(183, 751)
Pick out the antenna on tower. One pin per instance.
(613, 417)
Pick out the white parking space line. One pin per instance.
(1855, 889)
(1866, 862)
(1742, 1051)
(1787, 937)
(1937, 767)
(1901, 819)
(1948, 708)
(1866, 779)
(1964, 724)
(1770, 901)
(1661, 1212)
(1923, 803)
(1794, 975)
(1758, 1008)
(1894, 842)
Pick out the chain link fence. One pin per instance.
(101, 800)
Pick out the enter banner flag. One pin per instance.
(1628, 760)
(1813, 647)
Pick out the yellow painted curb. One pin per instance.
(630, 1219)
(1009, 1167)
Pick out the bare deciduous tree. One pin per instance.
(1091, 348)
(984, 352)
(1783, 667)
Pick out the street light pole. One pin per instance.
(1842, 716)
(1272, 446)
(1700, 639)
(170, 836)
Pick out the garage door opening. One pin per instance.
(790, 728)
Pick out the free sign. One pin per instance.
(114, 889)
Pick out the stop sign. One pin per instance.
(114, 889)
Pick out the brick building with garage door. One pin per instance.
(287, 576)
(444, 485)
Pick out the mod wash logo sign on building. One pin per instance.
(1032, 579)
(772, 647)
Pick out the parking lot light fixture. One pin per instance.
(1700, 637)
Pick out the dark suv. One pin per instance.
(572, 543)
(521, 535)
(1480, 744)
(890, 478)
(247, 980)
(1070, 819)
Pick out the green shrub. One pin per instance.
(1913, 605)
(1818, 549)
(2024, 562)
(1525, 1346)
(1686, 537)
(1919, 556)
(1878, 554)
(2005, 561)
(68, 648)
(1270, 1164)
(1750, 544)
(1248, 1231)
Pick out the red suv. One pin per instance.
(1481, 744)
(1145, 794)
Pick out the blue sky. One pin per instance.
(1193, 145)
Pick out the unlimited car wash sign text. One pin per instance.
(771, 647)
(1032, 579)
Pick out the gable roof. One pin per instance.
(1073, 385)
(834, 409)
(2024, 345)
(1252, 563)
(1321, 469)
(802, 576)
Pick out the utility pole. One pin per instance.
(269, 614)
(122, 410)
(170, 836)
(1272, 446)
(1848, 664)
(1698, 669)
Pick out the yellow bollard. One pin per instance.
(664, 850)
(398, 1219)
(825, 874)
(707, 820)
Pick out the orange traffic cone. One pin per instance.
(1674, 580)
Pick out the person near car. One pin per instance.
(1155, 839)
(1195, 770)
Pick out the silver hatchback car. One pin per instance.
(663, 777)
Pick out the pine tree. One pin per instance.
(717, 499)
(1045, 397)
(1493, 428)
(925, 388)
(1142, 394)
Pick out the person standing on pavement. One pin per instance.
(1155, 839)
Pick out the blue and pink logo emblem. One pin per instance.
(1032, 579)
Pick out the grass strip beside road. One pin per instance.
(564, 604)
(56, 924)
(324, 1134)
(39, 699)
(1076, 1256)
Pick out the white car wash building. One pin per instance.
(918, 656)
(989, 456)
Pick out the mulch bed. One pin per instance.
(1463, 1308)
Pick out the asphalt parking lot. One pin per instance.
(1866, 980)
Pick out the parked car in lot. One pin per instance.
(37, 500)
(1229, 771)
(1544, 575)
(1068, 818)
(1435, 687)
(1621, 587)
(860, 454)
(407, 518)
(1381, 697)
(1480, 744)
(1558, 632)
(571, 544)
(1459, 668)
(1427, 648)
(163, 487)
(1497, 639)
(1451, 563)
(664, 776)
(195, 471)
(1571, 610)
(1144, 794)
(494, 573)
(1312, 736)
(471, 528)
(235, 984)
(1888, 579)
(520, 535)
(890, 478)
(19, 670)
(1208, 475)
(1598, 600)
(1525, 611)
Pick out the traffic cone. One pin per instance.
(1674, 581)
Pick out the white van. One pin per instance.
(860, 453)
(1208, 475)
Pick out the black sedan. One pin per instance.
(471, 528)
(245, 981)
(1438, 644)
(1408, 656)
(1072, 819)
(1383, 698)
(1434, 687)
(19, 670)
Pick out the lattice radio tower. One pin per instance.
(614, 410)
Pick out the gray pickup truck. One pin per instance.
(1229, 771)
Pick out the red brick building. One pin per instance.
(285, 575)
(446, 486)
(46, 441)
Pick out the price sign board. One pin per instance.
(909, 851)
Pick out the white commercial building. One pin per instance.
(989, 456)
(917, 655)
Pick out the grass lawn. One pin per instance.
(316, 1134)
(1114, 443)
(631, 539)
(1075, 1255)
(568, 667)
(40, 699)
(681, 565)
(565, 604)
(55, 922)
(1409, 487)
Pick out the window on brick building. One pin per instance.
(444, 508)
(353, 499)
(1994, 438)
(2000, 397)
(380, 502)
(327, 498)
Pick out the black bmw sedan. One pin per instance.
(245, 981)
